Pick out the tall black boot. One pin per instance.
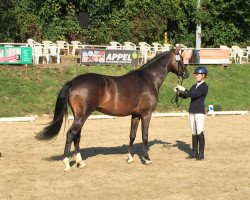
(201, 140)
(194, 146)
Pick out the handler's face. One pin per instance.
(199, 77)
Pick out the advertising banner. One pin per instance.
(109, 56)
(15, 55)
(206, 56)
(214, 56)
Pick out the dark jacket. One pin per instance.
(198, 96)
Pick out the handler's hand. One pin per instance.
(181, 88)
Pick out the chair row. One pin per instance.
(62, 45)
(237, 54)
(48, 48)
(40, 52)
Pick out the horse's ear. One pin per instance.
(177, 50)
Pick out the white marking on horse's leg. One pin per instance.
(130, 158)
(66, 163)
(80, 161)
(147, 162)
(78, 158)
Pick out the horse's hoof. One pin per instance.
(81, 164)
(67, 169)
(66, 163)
(130, 159)
(147, 162)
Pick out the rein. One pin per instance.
(176, 97)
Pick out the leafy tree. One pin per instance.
(7, 21)
(223, 22)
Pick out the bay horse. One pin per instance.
(135, 94)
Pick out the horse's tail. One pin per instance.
(53, 128)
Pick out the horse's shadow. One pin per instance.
(183, 146)
(94, 151)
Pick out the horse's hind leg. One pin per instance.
(71, 135)
(79, 160)
(145, 124)
(134, 125)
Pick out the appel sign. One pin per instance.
(108, 56)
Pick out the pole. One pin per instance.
(198, 31)
(165, 38)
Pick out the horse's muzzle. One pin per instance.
(185, 74)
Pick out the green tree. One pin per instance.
(8, 21)
(223, 22)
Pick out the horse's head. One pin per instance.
(177, 65)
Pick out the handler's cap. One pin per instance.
(200, 70)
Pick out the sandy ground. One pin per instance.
(31, 169)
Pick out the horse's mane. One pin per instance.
(156, 57)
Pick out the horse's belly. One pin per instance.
(116, 109)
(127, 106)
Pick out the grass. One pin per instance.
(32, 90)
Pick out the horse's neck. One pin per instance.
(156, 72)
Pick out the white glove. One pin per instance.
(181, 88)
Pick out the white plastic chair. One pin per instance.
(114, 45)
(46, 45)
(54, 51)
(145, 52)
(63, 45)
(37, 53)
(157, 47)
(234, 53)
(32, 42)
(241, 54)
(248, 52)
(166, 47)
(76, 46)
(129, 46)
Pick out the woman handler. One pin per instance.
(198, 93)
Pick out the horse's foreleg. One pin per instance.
(79, 160)
(145, 125)
(71, 135)
(134, 125)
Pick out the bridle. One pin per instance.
(180, 66)
(175, 98)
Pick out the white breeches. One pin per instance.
(197, 123)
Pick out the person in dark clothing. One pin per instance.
(198, 93)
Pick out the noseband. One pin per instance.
(179, 66)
